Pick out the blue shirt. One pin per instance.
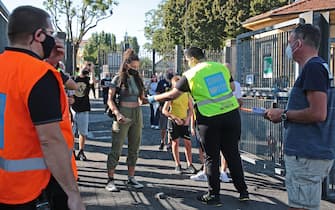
(310, 140)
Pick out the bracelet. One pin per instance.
(151, 99)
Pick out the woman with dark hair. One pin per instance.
(128, 117)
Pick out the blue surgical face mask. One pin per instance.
(289, 52)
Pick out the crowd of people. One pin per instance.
(204, 102)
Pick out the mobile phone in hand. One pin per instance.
(61, 35)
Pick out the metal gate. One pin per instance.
(266, 77)
(328, 187)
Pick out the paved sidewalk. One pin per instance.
(155, 169)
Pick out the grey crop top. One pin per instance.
(126, 95)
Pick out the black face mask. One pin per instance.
(85, 72)
(48, 44)
(132, 72)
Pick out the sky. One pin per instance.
(128, 16)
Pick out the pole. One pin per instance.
(153, 61)
(178, 59)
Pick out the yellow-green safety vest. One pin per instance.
(210, 88)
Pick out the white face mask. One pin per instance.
(289, 52)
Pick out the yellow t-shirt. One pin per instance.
(179, 106)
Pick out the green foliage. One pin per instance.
(134, 44)
(203, 23)
(259, 6)
(99, 44)
(236, 11)
(145, 63)
(132, 41)
(80, 16)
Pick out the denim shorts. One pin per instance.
(304, 181)
(80, 123)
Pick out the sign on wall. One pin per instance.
(267, 67)
(249, 79)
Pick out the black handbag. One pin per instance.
(116, 100)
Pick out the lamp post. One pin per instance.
(126, 41)
(186, 36)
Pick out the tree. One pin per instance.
(236, 11)
(146, 63)
(155, 32)
(259, 6)
(85, 16)
(204, 24)
(98, 46)
(134, 44)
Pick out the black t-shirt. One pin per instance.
(81, 97)
(44, 98)
(162, 87)
(312, 77)
(65, 77)
(44, 101)
(105, 83)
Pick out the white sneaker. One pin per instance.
(134, 183)
(152, 126)
(156, 127)
(111, 187)
(200, 176)
(224, 177)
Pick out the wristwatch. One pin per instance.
(283, 115)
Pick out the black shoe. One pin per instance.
(244, 196)
(161, 146)
(178, 169)
(81, 155)
(75, 156)
(168, 147)
(191, 170)
(210, 199)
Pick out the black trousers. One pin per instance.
(92, 87)
(154, 115)
(54, 194)
(222, 133)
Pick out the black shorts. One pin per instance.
(178, 131)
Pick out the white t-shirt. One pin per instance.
(237, 92)
(152, 88)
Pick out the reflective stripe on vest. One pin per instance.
(24, 165)
(209, 101)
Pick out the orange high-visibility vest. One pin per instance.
(23, 172)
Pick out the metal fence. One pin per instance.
(266, 77)
(328, 188)
(3, 26)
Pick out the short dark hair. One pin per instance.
(24, 21)
(195, 52)
(310, 34)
